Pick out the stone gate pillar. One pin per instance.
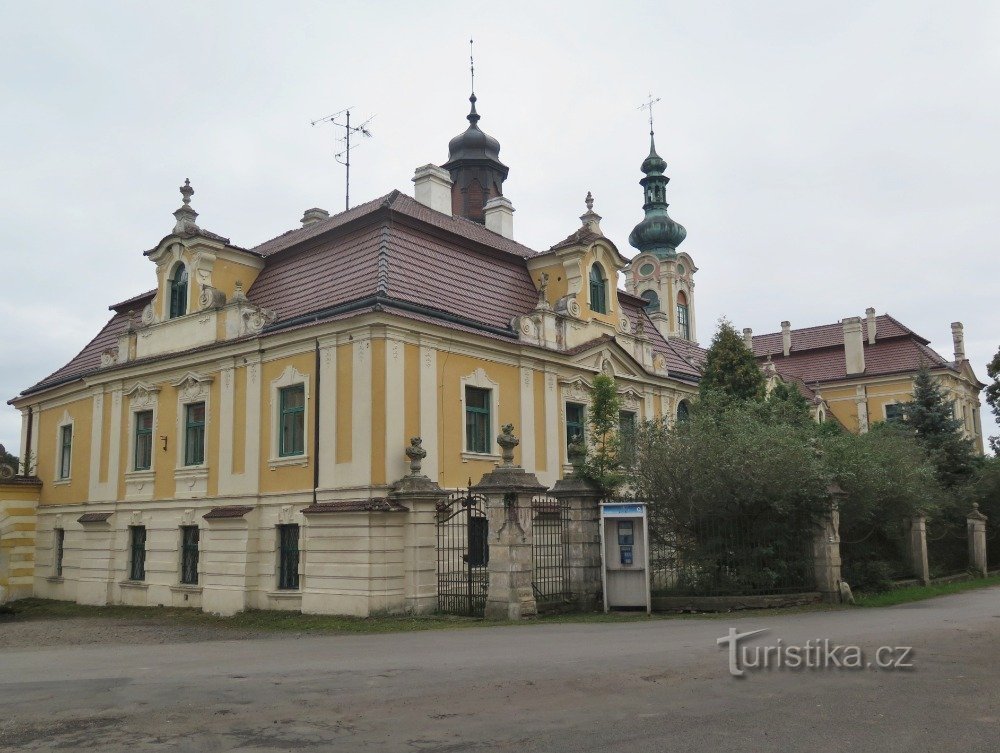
(583, 538)
(826, 549)
(976, 527)
(508, 490)
(18, 513)
(420, 496)
(916, 547)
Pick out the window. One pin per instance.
(59, 546)
(683, 411)
(652, 300)
(576, 416)
(143, 440)
(683, 325)
(626, 436)
(598, 290)
(189, 555)
(894, 413)
(194, 434)
(179, 292)
(288, 557)
(65, 450)
(292, 420)
(477, 420)
(137, 552)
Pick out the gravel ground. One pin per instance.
(17, 633)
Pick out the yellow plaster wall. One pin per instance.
(77, 489)
(285, 477)
(106, 428)
(451, 369)
(345, 390)
(226, 273)
(166, 425)
(558, 285)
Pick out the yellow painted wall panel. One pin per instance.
(540, 428)
(166, 426)
(345, 390)
(239, 416)
(106, 430)
(80, 411)
(378, 411)
(411, 392)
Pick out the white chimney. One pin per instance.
(958, 338)
(854, 345)
(786, 337)
(748, 338)
(870, 313)
(499, 214)
(314, 215)
(432, 188)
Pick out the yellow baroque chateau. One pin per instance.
(230, 438)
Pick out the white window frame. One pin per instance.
(65, 420)
(481, 380)
(885, 408)
(290, 377)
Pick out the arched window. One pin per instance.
(598, 290)
(683, 323)
(179, 292)
(652, 300)
(682, 410)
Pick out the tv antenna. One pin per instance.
(648, 105)
(342, 119)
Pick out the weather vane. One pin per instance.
(472, 67)
(648, 105)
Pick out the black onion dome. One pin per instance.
(473, 143)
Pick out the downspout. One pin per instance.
(26, 450)
(316, 428)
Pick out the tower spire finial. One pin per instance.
(648, 105)
(472, 67)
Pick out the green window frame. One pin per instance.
(194, 434)
(60, 546)
(65, 450)
(626, 436)
(190, 537)
(683, 411)
(143, 454)
(288, 557)
(292, 420)
(137, 552)
(598, 290)
(683, 324)
(478, 402)
(895, 413)
(178, 292)
(576, 420)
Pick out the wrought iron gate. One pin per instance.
(550, 553)
(463, 554)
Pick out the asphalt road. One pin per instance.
(662, 685)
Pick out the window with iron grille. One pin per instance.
(189, 554)
(293, 420)
(576, 416)
(194, 434)
(288, 557)
(626, 436)
(894, 413)
(137, 552)
(143, 440)
(65, 450)
(179, 292)
(59, 545)
(477, 419)
(598, 290)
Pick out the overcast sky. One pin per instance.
(824, 157)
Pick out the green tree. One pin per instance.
(602, 465)
(993, 396)
(730, 367)
(787, 405)
(931, 418)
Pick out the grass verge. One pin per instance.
(919, 593)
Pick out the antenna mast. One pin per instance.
(344, 156)
(648, 105)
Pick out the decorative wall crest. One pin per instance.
(109, 357)
(254, 319)
(624, 325)
(211, 298)
(193, 385)
(149, 313)
(142, 394)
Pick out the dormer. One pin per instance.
(578, 279)
(200, 282)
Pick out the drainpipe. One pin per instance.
(26, 450)
(316, 428)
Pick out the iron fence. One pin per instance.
(874, 555)
(947, 545)
(463, 554)
(727, 555)
(550, 554)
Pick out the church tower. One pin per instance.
(477, 174)
(659, 274)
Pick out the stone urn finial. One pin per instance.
(416, 453)
(576, 452)
(507, 442)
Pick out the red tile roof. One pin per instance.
(227, 512)
(827, 335)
